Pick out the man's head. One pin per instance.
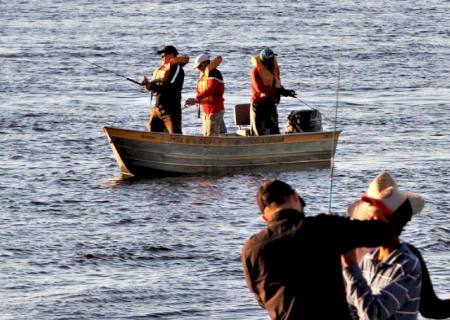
(201, 61)
(267, 57)
(274, 195)
(384, 201)
(267, 54)
(167, 53)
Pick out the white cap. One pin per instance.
(200, 59)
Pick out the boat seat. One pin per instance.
(242, 118)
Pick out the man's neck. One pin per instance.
(385, 251)
(272, 214)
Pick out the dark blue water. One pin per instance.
(77, 242)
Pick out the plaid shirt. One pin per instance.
(385, 290)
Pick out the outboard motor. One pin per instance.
(304, 121)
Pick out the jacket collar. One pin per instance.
(373, 255)
(288, 214)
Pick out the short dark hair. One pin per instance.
(274, 191)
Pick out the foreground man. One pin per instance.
(389, 284)
(166, 84)
(293, 265)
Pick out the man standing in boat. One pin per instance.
(166, 85)
(293, 266)
(266, 91)
(210, 89)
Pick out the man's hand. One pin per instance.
(349, 258)
(154, 86)
(190, 102)
(287, 93)
(144, 81)
(291, 93)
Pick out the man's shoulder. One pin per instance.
(325, 219)
(255, 242)
(407, 259)
(258, 237)
(175, 66)
(215, 73)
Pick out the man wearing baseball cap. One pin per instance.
(166, 85)
(210, 89)
(266, 91)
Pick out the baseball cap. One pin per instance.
(199, 60)
(266, 53)
(168, 49)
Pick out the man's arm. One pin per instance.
(356, 233)
(431, 306)
(251, 274)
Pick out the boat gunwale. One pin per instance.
(217, 141)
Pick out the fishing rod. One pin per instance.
(110, 71)
(330, 193)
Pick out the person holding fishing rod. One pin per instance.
(266, 92)
(391, 281)
(294, 264)
(166, 85)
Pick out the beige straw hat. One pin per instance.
(384, 192)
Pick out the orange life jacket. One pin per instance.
(269, 78)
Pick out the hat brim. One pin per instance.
(198, 65)
(416, 201)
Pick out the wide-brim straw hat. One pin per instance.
(384, 193)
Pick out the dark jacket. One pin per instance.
(293, 266)
(431, 307)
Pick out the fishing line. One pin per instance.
(117, 74)
(333, 145)
(304, 103)
(312, 108)
(110, 71)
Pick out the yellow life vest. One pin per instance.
(162, 72)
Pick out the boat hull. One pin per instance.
(142, 153)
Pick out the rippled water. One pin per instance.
(77, 242)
